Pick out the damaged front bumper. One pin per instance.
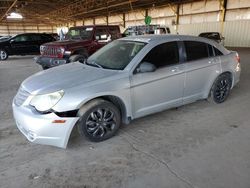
(48, 129)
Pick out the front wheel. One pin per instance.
(100, 120)
(79, 58)
(221, 88)
(3, 55)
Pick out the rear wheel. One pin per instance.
(221, 88)
(3, 55)
(99, 120)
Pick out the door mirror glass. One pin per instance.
(146, 67)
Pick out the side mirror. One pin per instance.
(12, 40)
(146, 67)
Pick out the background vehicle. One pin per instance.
(54, 35)
(145, 29)
(216, 36)
(127, 79)
(79, 43)
(23, 44)
(4, 37)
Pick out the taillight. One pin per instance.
(237, 57)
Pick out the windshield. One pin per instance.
(116, 55)
(80, 33)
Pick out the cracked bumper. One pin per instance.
(40, 129)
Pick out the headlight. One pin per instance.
(45, 102)
(60, 50)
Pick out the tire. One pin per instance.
(45, 68)
(3, 55)
(99, 120)
(80, 58)
(220, 89)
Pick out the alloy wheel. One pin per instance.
(3, 55)
(222, 89)
(101, 122)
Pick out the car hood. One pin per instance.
(4, 42)
(65, 76)
(66, 42)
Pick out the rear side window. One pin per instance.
(36, 37)
(217, 52)
(163, 55)
(196, 50)
(47, 37)
(100, 32)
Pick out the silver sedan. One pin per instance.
(127, 79)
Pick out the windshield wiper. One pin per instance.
(94, 63)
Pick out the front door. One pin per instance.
(163, 88)
(21, 44)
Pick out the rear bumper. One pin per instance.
(40, 129)
(48, 62)
(237, 73)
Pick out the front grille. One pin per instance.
(21, 96)
(50, 51)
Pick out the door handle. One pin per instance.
(175, 69)
(212, 61)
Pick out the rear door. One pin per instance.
(36, 41)
(201, 68)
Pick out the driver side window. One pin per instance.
(163, 55)
(101, 34)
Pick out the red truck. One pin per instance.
(80, 42)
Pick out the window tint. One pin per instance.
(217, 52)
(196, 50)
(47, 37)
(36, 37)
(79, 33)
(163, 55)
(116, 55)
(23, 38)
(210, 50)
(101, 33)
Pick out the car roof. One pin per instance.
(95, 26)
(171, 37)
(156, 38)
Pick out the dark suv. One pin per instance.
(23, 44)
(79, 43)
